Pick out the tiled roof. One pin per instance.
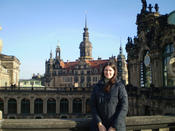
(92, 63)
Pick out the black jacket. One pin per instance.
(110, 108)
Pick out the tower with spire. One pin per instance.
(85, 46)
(121, 66)
(58, 52)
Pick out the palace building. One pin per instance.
(68, 86)
(84, 72)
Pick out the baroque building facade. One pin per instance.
(151, 54)
(151, 63)
(84, 72)
(9, 69)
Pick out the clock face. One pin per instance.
(171, 66)
(171, 18)
(147, 60)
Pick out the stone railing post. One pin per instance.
(0, 115)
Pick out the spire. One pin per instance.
(85, 20)
(86, 33)
(51, 54)
(120, 47)
(85, 46)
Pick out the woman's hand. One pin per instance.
(111, 129)
(101, 127)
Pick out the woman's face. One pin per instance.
(108, 72)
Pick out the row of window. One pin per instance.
(76, 72)
(51, 106)
(79, 79)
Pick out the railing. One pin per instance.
(137, 123)
(44, 89)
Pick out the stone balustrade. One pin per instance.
(135, 123)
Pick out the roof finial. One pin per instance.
(58, 43)
(156, 7)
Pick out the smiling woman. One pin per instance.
(109, 102)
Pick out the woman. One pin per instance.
(109, 102)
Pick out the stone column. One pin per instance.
(83, 105)
(32, 105)
(158, 79)
(18, 105)
(5, 105)
(45, 106)
(70, 105)
(58, 105)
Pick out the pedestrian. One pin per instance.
(109, 102)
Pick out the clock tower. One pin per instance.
(85, 45)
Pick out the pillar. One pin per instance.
(32, 105)
(18, 105)
(57, 105)
(70, 105)
(83, 105)
(5, 106)
(45, 106)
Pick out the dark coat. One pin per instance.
(110, 108)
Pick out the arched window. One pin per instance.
(12, 106)
(167, 52)
(146, 71)
(38, 109)
(51, 106)
(88, 110)
(77, 105)
(1, 105)
(25, 106)
(64, 104)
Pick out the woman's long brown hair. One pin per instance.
(113, 79)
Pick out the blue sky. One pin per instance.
(32, 28)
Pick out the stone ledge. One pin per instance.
(132, 123)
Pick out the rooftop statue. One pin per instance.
(144, 5)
